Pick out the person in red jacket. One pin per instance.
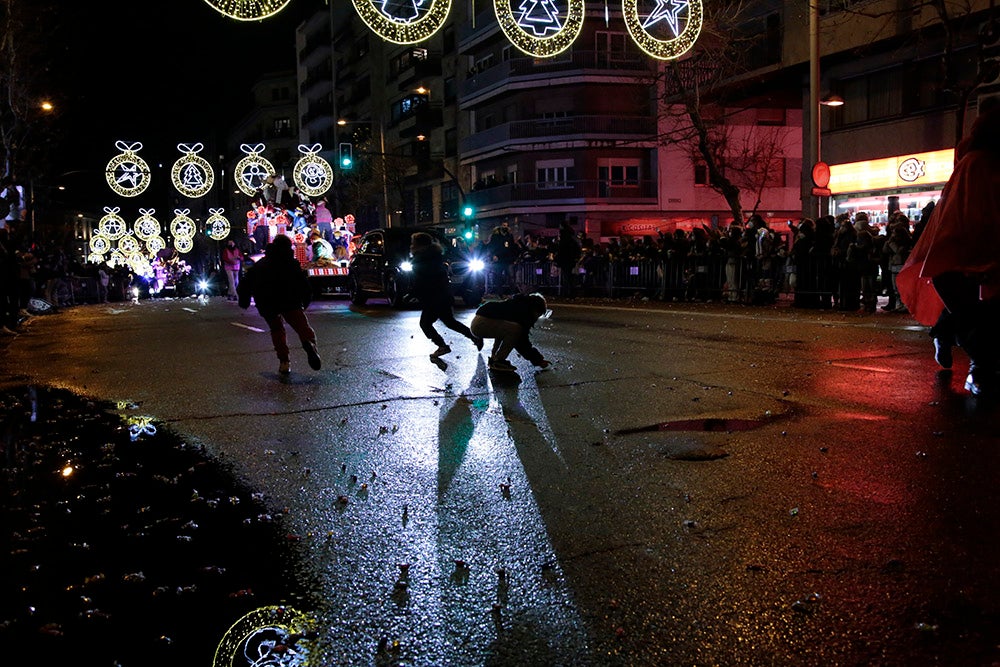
(280, 289)
(232, 261)
(508, 323)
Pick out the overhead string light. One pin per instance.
(540, 28)
(252, 171)
(248, 10)
(663, 29)
(405, 21)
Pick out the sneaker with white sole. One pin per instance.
(441, 351)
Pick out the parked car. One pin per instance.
(381, 267)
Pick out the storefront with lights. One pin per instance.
(880, 187)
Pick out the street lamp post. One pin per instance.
(381, 141)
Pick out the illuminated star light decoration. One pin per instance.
(217, 226)
(312, 174)
(248, 10)
(403, 21)
(260, 633)
(146, 226)
(253, 169)
(127, 173)
(192, 175)
(540, 28)
(660, 34)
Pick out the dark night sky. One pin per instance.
(161, 73)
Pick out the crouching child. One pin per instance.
(508, 323)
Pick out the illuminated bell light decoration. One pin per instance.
(127, 173)
(217, 225)
(182, 226)
(312, 174)
(403, 21)
(100, 244)
(112, 225)
(669, 28)
(248, 10)
(259, 633)
(252, 170)
(540, 28)
(146, 225)
(192, 174)
(184, 244)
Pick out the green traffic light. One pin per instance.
(468, 234)
(467, 212)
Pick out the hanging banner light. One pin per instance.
(192, 175)
(540, 28)
(663, 29)
(127, 173)
(408, 22)
(253, 169)
(248, 10)
(312, 174)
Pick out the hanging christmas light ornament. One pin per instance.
(217, 225)
(540, 28)
(312, 174)
(128, 245)
(183, 244)
(100, 244)
(95, 258)
(146, 225)
(403, 21)
(248, 10)
(192, 174)
(127, 173)
(664, 29)
(155, 244)
(112, 225)
(182, 226)
(253, 169)
(261, 630)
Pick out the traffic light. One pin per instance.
(468, 212)
(468, 215)
(346, 156)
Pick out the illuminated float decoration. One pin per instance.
(217, 226)
(663, 29)
(540, 28)
(127, 173)
(192, 175)
(248, 10)
(312, 174)
(252, 171)
(403, 21)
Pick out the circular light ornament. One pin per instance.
(192, 174)
(312, 174)
(182, 226)
(184, 244)
(253, 169)
(155, 244)
(540, 28)
(128, 245)
(100, 244)
(255, 638)
(668, 29)
(116, 258)
(217, 225)
(146, 225)
(139, 264)
(248, 10)
(408, 22)
(112, 225)
(127, 173)
(95, 258)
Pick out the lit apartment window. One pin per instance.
(282, 127)
(512, 173)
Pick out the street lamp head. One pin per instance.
(341, 122)
(46, 105)
(832, 100)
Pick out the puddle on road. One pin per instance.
(120, 544)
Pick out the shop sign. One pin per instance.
(931, 168)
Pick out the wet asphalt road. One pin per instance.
(688, 484)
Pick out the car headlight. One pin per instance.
(406, 266)
(476, 265)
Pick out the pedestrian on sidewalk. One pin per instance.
(433, 289)
(508, 323)
(280, 289)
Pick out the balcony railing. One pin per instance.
(579, 61)
(605, 127)
(513, 194)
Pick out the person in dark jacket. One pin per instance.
(433, 289)
(281, 291)
(508, 323)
